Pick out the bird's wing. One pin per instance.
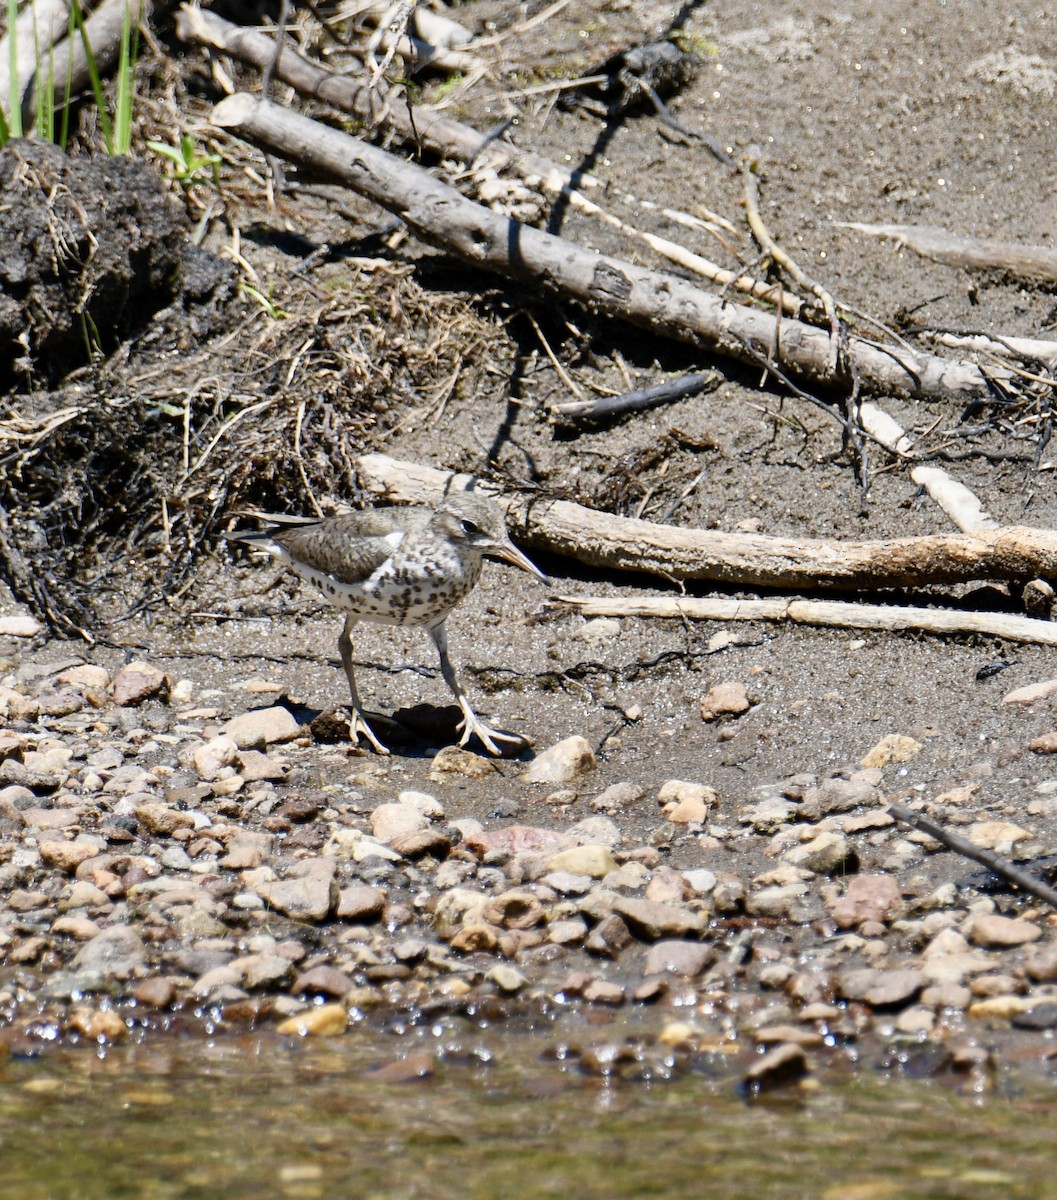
(349, 548)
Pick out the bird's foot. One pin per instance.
(358, 728)
(471, 725)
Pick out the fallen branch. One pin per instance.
(833, 614)
(987, 858)
(743, 559)
(663, 303)
(974, 254)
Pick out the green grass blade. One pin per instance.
(93, 75)
(126, 84)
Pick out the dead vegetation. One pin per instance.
(114, 483)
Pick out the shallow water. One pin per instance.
(256, 1116)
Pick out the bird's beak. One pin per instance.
(508, 552)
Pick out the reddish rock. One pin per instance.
(729, 699)
(867, 898)
(137, 682)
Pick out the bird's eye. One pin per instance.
(469, 527)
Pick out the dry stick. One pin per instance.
(744, 559)
(40, 25)
(999, 345)
(103, 29)
(441, 215)
(831, 614)
(775, 252)
(975, 254)
(960, 504)
(993, 862)
(603, 408)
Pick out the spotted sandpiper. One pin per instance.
(400, 566)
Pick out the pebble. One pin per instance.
(138, 682)
(1046, 744)
(879, 988)
(308, 893)
(868, 897)
(212, 757)
(1032, 693)
(678, 957)
(729, 699)
(561, 763)
(262, 727)
(323, 1020)
(20, 626)
(618, 797)
(506, 978)
(995, 932)
(360, 903)
(596, 862)
(653, 921)
(895, 748)
(996, 835)
(115, 953)
(783, 1065)
(826, 854)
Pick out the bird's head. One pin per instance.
(477, 525)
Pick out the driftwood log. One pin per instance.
(973, 254)
(663, 303)
(741, 559)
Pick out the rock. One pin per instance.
(729, 699)
(895, 748)
(506, 978)
(256, 767)
(212, 757)
(517, 909)
(137, 682)
(1047, 744)
(99, 1024)
(79, 928)
(785, 1064)
(323, 981)
(472, 938)
(262, 727)
(20, 626)
(601, 991)
(826, 854)
(1032, 693)
(775, 901)
(1005, 1007)
(841, 793)
(389, 821)
(866, 898)
(995, 932)
(115, 953)
(649, 920)
(514, 839)
(412, 1069)
(422, 842)
(617, 797)
(308, 893)
(567, 933)
(261, 970)
(881, 989)
(593, 861)
(700, 880)
(609, 937)
(454, 760)
(156, 991)
(769, 814)
(160, 819)
(678, 957)
(1040, 963)
(360, 904)
(1043, 1017)
(561, 763)
(247, 850)
(324, 1020)
(996, 835)
(68, 856)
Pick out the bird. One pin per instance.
(400, 565)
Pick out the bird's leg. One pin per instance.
(470, 724)
(357, 723)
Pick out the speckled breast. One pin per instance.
(414, 589)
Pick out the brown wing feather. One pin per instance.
(353, 546)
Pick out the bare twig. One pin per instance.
(603, 408)
(987, 858)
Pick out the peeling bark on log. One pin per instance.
(663, 303)
(740, 559)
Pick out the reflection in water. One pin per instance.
(256, 1116)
